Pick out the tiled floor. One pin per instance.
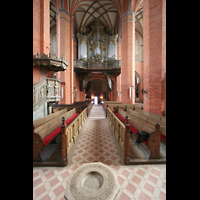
(97, 144)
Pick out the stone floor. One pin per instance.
(96, 144)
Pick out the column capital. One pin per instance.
(63, 10)
(63, 14)
(127, 16)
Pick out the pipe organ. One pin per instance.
(97, 43)
(97, 53)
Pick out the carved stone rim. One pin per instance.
(109, 187)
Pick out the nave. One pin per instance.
(96, 144)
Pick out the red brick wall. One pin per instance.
(154, 60)
(41, 29)
(41, 35)
(36, 26)
(36, 74)
(163, 55)
(40, 73)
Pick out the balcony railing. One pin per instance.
(97, 65)
(46, 90)
(51, 62)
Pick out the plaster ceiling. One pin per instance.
(87, 11)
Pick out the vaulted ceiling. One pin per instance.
(88, 12)
(108, 11)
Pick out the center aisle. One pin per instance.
(96, 144)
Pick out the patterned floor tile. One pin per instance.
(96, 144)
(144, 196)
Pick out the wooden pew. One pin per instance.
(121, 134)
(48, 118)
(123, 106)
(151, 119)
(89, 107)
(70, 135)
(137, 124)
(161, 119)
(112, 104)
(82, 104)
(57, 109)
(45, 133)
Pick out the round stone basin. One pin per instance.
(92, 181)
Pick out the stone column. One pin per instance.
(128, 57)
(154, 56)
(65, 48)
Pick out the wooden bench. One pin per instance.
(161, 119)
(48, 118)
(111, 106)
(112, 102)
(121, 135)
(45, 133)
(70, 135)
(135, 106)
(139, 125)
(136, 123)
(151, 119)
(57, 109)
(82, 104)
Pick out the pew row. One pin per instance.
(161, 119)
(121, 134)
(82, 104)
(112, 102)
(45, 133)
(149, 120)
(136, 106)
(48, 118)
(70, 135)
(123, 141)
(137, 124)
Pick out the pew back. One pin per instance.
(161, 119)
(48, 118)
(118, 128)
(148, 119)
(73, 128)
(70, 135)
(123, 106)
(136, 122)
(112, 102)
(50, 126)
(57, 109)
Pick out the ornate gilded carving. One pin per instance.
(51, 62)
(45, 90)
